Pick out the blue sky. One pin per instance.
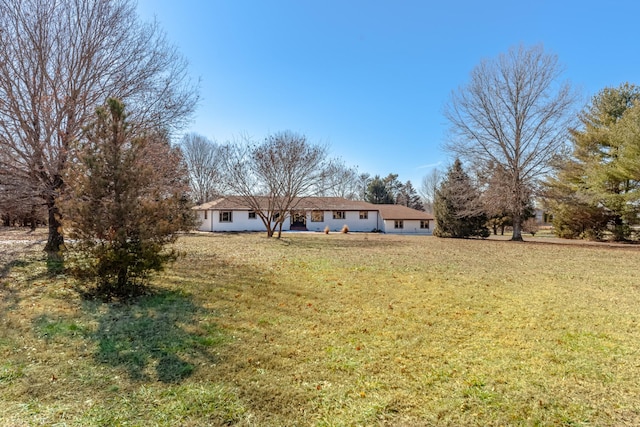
(370, 78)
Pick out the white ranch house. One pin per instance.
(315, 214)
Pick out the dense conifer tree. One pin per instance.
(409, 197)
(597, 187)
(126, 200)
(458, 209)
(378, 192)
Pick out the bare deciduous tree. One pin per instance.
(514, 114)
(202, 157)
(274, 176)
(61, 59)
(339, 180)
(364, 179)
(428, 187)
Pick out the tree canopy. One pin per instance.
(126, 198)
(458, 208)
(274, 176)
(60, 60)
(513, 113)
(378, 191)
(596, 188)
(203, 159)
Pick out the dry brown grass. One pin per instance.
(339, 329)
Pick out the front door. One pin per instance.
(298, 220)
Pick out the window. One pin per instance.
(205, 214)
(317, 216)
(364, 215)
(339, 215)
(398, 224)
(424, 224)
(225, 216)
(252, 214)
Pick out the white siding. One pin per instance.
(205, 224)
(239, 222)
(352, 220)
(408, 227)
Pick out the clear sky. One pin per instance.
(369, 78)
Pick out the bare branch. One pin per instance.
(513, 114)
(59, 60)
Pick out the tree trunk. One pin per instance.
(122, 278)
(517, 229)
(619, 234)
(55, 240)
(32, 218)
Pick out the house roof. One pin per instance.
(325, 203)
(393, 212)
(387, 212)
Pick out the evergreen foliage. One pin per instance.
(409, 197)
(457, 206)
(59, 60)
(378, 192)
(126, 200)
(596, 189)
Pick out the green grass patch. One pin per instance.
(329, 330)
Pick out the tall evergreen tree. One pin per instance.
(457, 208)
(394, 186)
(596, 188)
(126, 200)
(408, 196)
(378, 192)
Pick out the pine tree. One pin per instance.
(457, 206)
(595, 189)
(126, 200)
(378, 192)
(408, 196)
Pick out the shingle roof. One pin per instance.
(326, 203)
(393, 212)
(388, 212)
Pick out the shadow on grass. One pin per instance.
(10, 296)
(162, 336)
(16, 257)
(55, 263)
(154, 338)
(7, 267)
